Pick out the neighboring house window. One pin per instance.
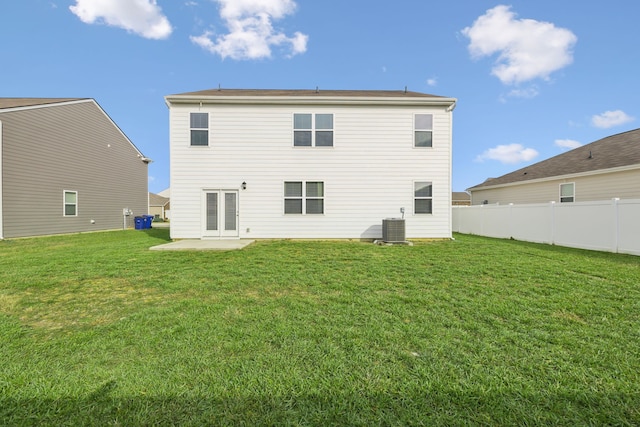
(313, 130)
(423, 130)
(304, 197)
(199, 124)
(70, 203)
(567, 192)
(423, 197)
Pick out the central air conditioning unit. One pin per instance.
(393, 230)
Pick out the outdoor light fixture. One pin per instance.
(244, 185)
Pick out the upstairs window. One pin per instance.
(313, 130)
(423, 197)
(70, 203)
(567, 192)
(199, 125)
(423, 130)
(304, 198)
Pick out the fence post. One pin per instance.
(616, 224)
(552, 205)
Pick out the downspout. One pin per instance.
(449, 110)
(1, 186)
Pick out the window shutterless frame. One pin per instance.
(303, 197)
(313, 129)
(422, 197)
(199, 129)
(423, 130)
(568, 192)
(69, 203)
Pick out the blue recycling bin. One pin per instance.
(139, 223)
(148, 219)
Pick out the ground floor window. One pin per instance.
(567, 192)
(70, 202)
(423, 197)
(304, 198)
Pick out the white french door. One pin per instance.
(220, 213)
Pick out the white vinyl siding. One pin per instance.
(370, 173)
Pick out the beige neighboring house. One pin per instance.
(159, 206)
(66, 167)
(460, 198)
(605, 169)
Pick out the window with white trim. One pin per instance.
(422, 197)
(199, 127)
(303, 198)
(567, 192)
(70, 203)
(423, 130)
(312, 130)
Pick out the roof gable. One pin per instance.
(614, 151)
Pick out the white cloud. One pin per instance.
(142, 17)
(251, 34)
(528, 49)
(512, 153)
(432, 81)
(610, 119)
(530, 92)
(567, 144)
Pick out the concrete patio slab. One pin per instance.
(203, 245)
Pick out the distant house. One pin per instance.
(66, 167)
(604, 169)
(309, 164)
(159, 206)
(460, 198)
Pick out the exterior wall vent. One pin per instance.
(393, 230)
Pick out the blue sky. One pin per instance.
(532, 78)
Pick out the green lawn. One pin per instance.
(95, 329)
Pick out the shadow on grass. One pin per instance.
(157, 233)
(435, 408)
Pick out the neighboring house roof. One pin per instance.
(615, 151)
(460, 196)
(157, 200)
(30, 102)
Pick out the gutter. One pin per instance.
(313, 100)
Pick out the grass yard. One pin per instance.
(95, 329)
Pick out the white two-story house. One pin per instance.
(309, 163)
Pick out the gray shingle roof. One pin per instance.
(30, 102)
(157, 200)
(304, 92)
(614, 151)
(460, 195)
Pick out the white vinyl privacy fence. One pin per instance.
(609, 225)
